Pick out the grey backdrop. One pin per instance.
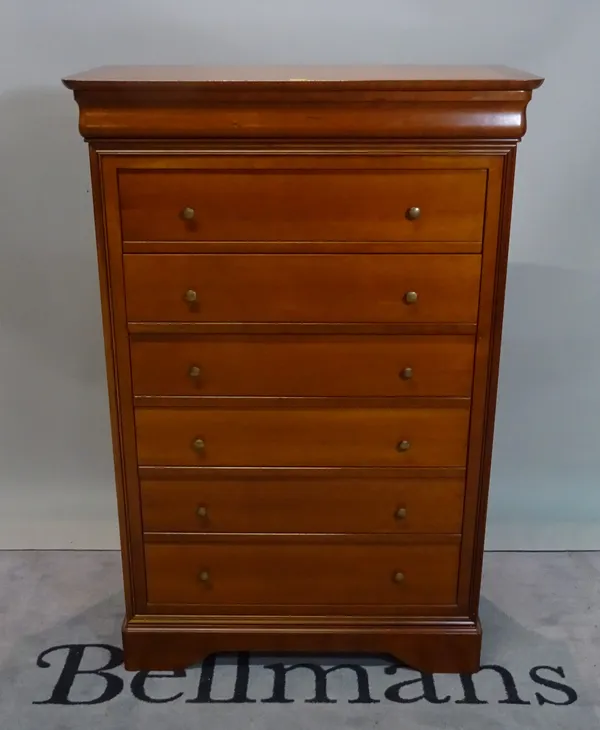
(56, 482)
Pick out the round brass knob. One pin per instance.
(198, 445)
(413, 213)
(204, 576)
(403, 445)
(406, 374)
(398, 577)
(188, 214)
(202, 511)
(401, 513)
(194, 371)
(190, 296)
(411, 297)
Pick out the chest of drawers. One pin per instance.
(302, 287)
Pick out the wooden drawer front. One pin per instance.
(303, 365)
(302, 287)
(313, 573)
(304, 505)
(302, 205)
(302, 436)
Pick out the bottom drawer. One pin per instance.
(283, 573)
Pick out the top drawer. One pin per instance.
(279, 201)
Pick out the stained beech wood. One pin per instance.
(302, 247)
(380, 102)
(302, 328)
(280, 204)
(301, 253)
(251, 473)
(302, 288)
(168, 642)
(116, 344)
(396, 506)
(392, 75)
(302, 365)
(303, 437)
(295, 573)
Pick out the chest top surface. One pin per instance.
(398, 77)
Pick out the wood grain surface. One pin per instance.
(301, 288)
(323, 436)
(293, 574)
(285, 504)
(293, 204)
(302, 365)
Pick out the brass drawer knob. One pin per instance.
(401, 513)
(194, 371)
(411, 297)
(190, 296)
(202, 511)
(188, 214)
(406, 374)
(398, 577)
(403, 445)
(413, 213)
(198, 445)
(204, 576)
